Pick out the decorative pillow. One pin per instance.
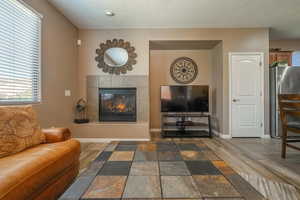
(18, 129)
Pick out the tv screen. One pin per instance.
(192, 98)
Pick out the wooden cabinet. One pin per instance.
(281, 56)
(272, 57)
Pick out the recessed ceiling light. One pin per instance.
(109, 13)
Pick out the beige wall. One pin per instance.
(91, 40)
(59, 66)
(286, 45)
(216, 87)
(59, 60)
(234, 40)
(160, 61)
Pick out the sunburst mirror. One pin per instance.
(116, 57)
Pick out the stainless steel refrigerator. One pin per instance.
(283, 80)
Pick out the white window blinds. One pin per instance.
(20, 36)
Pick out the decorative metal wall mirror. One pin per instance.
(116, 57)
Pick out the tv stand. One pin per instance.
(185, 125)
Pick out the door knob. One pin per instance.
(235, 100)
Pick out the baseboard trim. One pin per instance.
(220, 135)
(225, 136)
(216, 133)
(107, 140)
(266, 137)
(155, 130)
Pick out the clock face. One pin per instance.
(184, 70)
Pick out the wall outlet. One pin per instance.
(79, 42)
(67, 93)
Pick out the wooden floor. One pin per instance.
(262, 176)
(267, 153)
(256, 160)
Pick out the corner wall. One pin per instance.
(59, 66)
(217, 87)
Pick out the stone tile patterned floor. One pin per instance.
(159, 170)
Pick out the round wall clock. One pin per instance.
(184, 70)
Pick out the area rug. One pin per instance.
(159, 170)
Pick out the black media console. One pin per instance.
(185, 125)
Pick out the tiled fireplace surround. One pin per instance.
(113, 81)
(116, 130)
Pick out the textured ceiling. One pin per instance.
(282, 16)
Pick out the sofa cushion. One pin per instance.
(24, 174)
(19, 129)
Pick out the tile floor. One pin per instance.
(159, 170)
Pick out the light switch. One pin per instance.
(67, 93)
(79, 42)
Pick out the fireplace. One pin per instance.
(117, 104)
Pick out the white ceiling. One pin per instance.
(282, 16)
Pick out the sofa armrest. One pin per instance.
(56, 134)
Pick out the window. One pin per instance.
(20, 36)
(296, 58)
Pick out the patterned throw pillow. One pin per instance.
(19, 129)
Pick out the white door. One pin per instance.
(246, 95)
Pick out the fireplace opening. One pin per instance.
(117, 104)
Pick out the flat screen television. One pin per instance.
(191, 98)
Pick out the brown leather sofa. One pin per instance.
(42, 172)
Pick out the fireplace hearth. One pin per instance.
(117, 104)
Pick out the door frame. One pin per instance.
(261, 54)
